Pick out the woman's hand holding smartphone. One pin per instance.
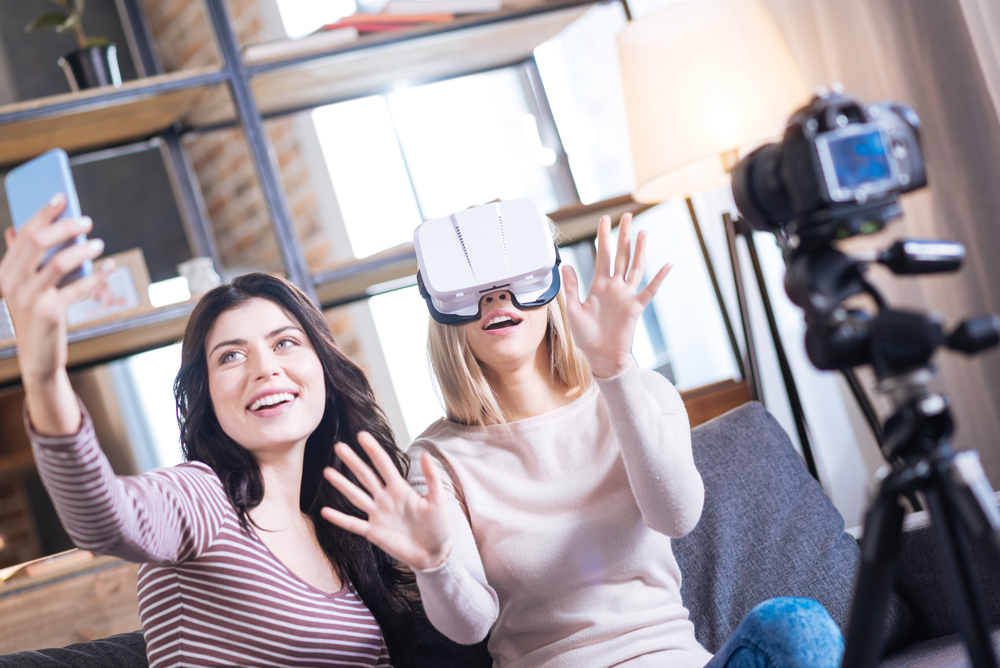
(37, 307)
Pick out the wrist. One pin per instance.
(436, 559)
(603, 369)
(52, 405)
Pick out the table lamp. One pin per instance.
(704, 81)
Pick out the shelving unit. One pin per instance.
(243, 92)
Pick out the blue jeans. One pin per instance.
(783, 633)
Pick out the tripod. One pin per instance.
(961, 505)
(915, 439)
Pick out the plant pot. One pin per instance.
(92, 67)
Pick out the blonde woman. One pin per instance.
(553, 488)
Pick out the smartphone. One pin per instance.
(32, 185)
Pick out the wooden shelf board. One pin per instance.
(580, 221)
(98, 117)
(373, 64)
(351, 280)
(113, 339)
(355, 279)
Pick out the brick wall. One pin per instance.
(184, 39)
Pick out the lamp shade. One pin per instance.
(702, 79)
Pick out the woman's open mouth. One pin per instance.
(501, 322)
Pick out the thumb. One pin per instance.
(572, 286)
(435, 487)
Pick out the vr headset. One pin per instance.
(499, 246)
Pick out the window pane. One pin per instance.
(368, 174)
(694, 339)
(580, 71)
(401, 319)
(469, 141)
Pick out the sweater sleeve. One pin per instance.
(456, 596)
(166, 516)
(651, 423)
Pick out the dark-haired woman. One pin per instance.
(238, 566)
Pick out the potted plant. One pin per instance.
(95, 63)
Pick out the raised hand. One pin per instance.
(409, 527)
(603, 326)
(38, 306)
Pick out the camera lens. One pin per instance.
(759, 191)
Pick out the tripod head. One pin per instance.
(893, 341)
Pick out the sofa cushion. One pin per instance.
(125, 650)
(944, 652)
(924, 585)
(767, 530)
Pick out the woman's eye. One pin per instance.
(228, 356)
(285, 343)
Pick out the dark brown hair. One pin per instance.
(386, 586)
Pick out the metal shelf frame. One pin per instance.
(237, 76)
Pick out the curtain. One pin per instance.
(942, 58)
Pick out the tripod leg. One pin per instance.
(879, 553)
(968, 599)
(973, 497)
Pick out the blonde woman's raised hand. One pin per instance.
(37, 307)
(405, 525)
(603, 325)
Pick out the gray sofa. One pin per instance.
(767, 530)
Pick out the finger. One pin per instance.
(435, 486)
(62, 231)
(351, 492)
(638, 261)
(602, 263)
(361, 470)
(31, 246)
(88, 284)
(380, 458)
(347, 522)
(647, 294)
(624, 245)
(8, 235)
(46, 215)
(67, 260)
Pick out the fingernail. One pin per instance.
(97, 244)
(85, 223)
(57, 199)
(107, 266)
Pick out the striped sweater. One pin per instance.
(209, 595)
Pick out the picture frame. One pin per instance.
(124, 292)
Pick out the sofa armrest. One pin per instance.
(923, 583)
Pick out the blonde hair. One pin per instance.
(468, 396)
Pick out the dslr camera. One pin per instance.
(838, 171)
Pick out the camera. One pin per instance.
(838, 170)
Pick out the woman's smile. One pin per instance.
(272, 402)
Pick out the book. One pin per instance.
(324, 40)
(379, 26)
(362, 18)
(403, 7)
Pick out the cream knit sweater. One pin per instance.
(572, 512)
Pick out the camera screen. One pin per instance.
(859, 159)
